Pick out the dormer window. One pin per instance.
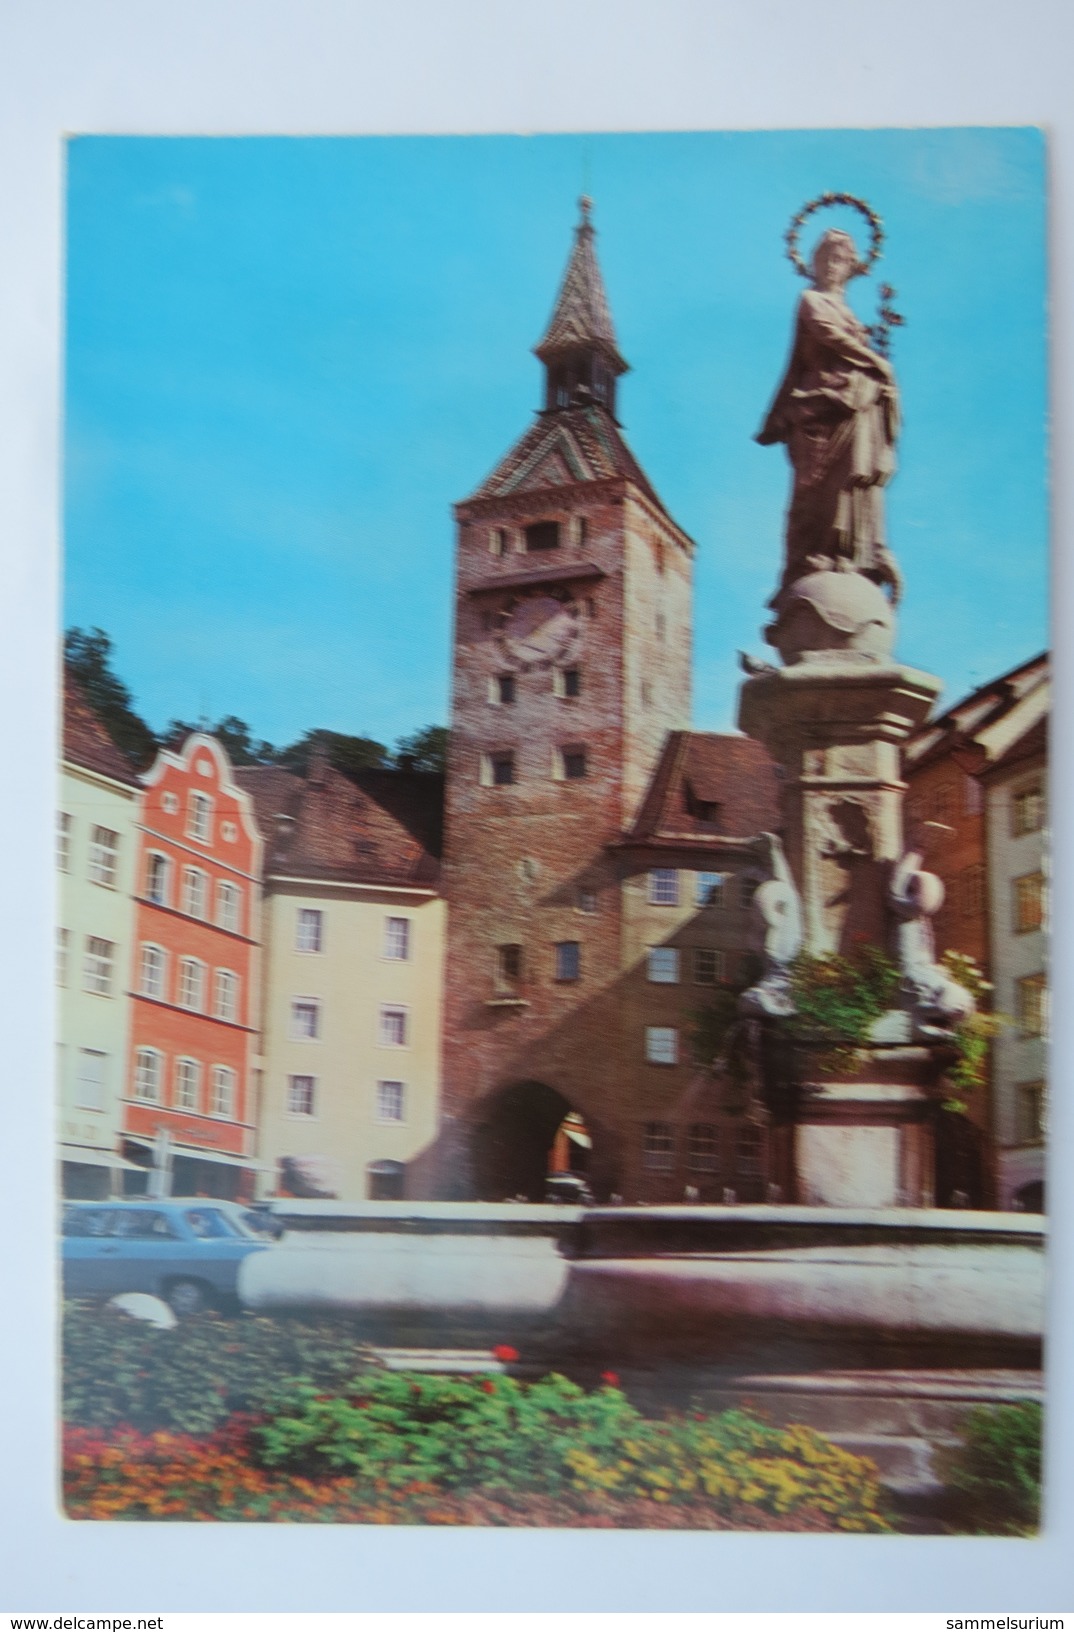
(542, 535)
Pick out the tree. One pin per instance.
(87, 654)
(346, 754)
(231, 733)
(423, 750)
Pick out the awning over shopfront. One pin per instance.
(195, 1153)
(87, 1156)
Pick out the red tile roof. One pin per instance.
(379, 827)
(698, 769)
(85, 740)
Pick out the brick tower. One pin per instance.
(572, 662)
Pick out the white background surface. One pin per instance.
(352, 66)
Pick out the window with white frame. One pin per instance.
(148, 1071)
(191, 984)
(157, 870)
(199, 817)
(103, 856)
(397, 939)
(301, 1096)
(568, 960)
(658, 1147)
(393, 1027)
(63, 841)
(572, 764)
(309, 930)
(663, 887)
(228, 903)
(710, 965)
(188, 1084)
(305, 1019)
(1028, 903)
(89, 1079)
(747, 889)
(711, 889)
(587, 901)
(1027, 809)
(703, 1147)
(151, 970)
(661, 1045)
(1030, 1118)
(1031, 1004)
(63, 944)
(195, 892)
(222, 1101)
(97, 967)
(663, 965)
(749, 1151)
(226, 995)
(391, 1102)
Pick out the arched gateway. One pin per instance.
(523, 1133)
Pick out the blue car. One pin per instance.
(186, 1251)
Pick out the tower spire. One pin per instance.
(578, 348)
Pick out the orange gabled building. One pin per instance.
(190, 1100)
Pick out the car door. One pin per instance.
(149, 1251)
(218, 1244)
(89, 1250)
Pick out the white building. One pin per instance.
(353, 927)
(96, 853)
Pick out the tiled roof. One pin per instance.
(582, 444)
(85, 740)
(379, 827)
(1032, 745)
(705, 768)
(957, 727)
(581, 315)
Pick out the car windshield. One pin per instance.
(209, 1223)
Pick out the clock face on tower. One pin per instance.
(539, 628)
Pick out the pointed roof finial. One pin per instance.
(581, 317)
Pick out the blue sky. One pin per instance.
(286, 358)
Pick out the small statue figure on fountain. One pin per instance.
(936, 1001)
(777, 926)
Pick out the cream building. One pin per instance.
(353, 958)
(96, 847)
(1015, 779)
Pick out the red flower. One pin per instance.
(504, 1351)
(488, 1386)
(611, 1378)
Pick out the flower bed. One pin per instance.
(401, 1448)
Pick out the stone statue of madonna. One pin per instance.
(837, 410)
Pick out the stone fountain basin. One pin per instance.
(690, 1275)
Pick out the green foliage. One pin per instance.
(395, 1430)
(87, 654)
(838, 998)
(423, 750)
(233, 735)
(973, 1037)
(997, 1470)
(345, 754)
(118, 1370)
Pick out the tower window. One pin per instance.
(503, 688)
(498, 770)
(574, 763)
(542, 535)
(498, 541)
(568, 960)
(508, 967)
(568, 682)
(581, 530)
